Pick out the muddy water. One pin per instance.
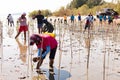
(80, 56)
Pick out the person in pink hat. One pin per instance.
(23, 25)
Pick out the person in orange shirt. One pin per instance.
(65, 19)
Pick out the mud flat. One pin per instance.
(80, 56)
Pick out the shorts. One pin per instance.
(65, 21)
(40, 25)
(11, 22)
(23, 28)
(87, 26)
(110, 21)
(100, 20)
(97, 16)
(52, 53)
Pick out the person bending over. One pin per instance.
(45, 44)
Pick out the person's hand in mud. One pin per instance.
(35, 59)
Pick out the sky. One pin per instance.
(20, 6)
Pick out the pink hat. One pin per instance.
(24, 13)
(34, 38)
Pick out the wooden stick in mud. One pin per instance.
(61, 40)
(30, 50)
(115, 36)
(28, 55)
(71, 41)
(1, 44)
(104, 59)
(108, 51)
(60, 51)
(104, 64)
(88, 48)
(60, 56)
(71, 33)
(79, 38)
(88, 56)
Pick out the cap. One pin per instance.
(34, 39)
(31, 42)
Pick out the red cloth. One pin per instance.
(23, 28)
(47, 41)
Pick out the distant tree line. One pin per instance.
(84, 7)
(44, 12)
(79, 3)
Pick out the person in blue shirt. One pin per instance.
(104, 18)
(100, 19)
(110, 19)
(72, 18)
(79, 17)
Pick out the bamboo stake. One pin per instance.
(61, 36)
(79, 38)
(104, 60)
(89, 35)
(30, 50)
(60, 51)
(71, 47)
(1, 43)
(115, 42)
(88, 57)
